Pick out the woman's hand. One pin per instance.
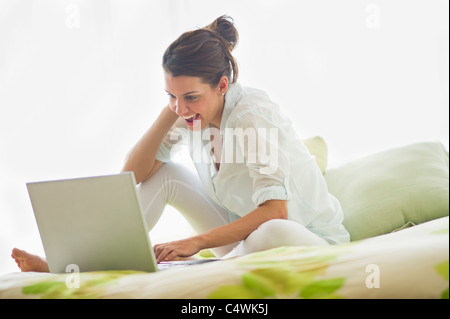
(142, 158)
(223, 235)
(180, 248)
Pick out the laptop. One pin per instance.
(95, 223)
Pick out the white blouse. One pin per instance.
(261, 158)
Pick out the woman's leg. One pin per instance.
(181, 188)
(174, 185)
(276, 233)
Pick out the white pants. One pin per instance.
(176, 185)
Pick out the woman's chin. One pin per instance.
(196, 125)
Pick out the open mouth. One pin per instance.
(190, 120)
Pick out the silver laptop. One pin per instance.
(95, 223)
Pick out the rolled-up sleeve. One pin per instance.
(265, 155)
(172, 143)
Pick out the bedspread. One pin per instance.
(410, 263)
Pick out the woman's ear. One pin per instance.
(223, 85)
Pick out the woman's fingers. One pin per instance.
(161, 252)
(165, 252)
(171, 250)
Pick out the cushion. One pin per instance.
(392, 189)
(318, 148)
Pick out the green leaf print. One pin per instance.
(50, 288)
(92, 285)
(443, 231)
(324, 288)
(300, 277)
(235, 292)
(443, 270)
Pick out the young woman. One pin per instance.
(257, 187)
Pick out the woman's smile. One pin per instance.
(190, 119)
(196, 101)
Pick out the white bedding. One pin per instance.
(411, 263)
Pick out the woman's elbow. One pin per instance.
(277, 208)
(282, 213)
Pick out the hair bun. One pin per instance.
(224, 26)
(205, 53)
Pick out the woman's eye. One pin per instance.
(191, 98)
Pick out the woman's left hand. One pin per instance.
(180, 248)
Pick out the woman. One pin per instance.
(244, 201)
(257, 187)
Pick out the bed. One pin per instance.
(396, 209)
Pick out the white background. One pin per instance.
(81, 81)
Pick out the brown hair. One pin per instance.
(205, 53)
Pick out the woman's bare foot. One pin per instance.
(29, 262)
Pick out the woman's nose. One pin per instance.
(179, 109)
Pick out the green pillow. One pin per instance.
(389, 190)
(318, 148)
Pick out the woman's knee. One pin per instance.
(282, 232)
(270, 234)
(162, 181)
(273, 224)
(276, 232)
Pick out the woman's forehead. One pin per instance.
(184, 84)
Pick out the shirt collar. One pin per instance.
(232, 97)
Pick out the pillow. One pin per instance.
(318, 148)
(390, 190)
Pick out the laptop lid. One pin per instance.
(95, 223)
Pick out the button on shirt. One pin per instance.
(261, 158)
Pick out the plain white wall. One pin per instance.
(81, 80)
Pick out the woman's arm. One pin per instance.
(142, 159)
(223, 235)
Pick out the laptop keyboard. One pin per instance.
(182, 263)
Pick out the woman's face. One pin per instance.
(196, 101)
